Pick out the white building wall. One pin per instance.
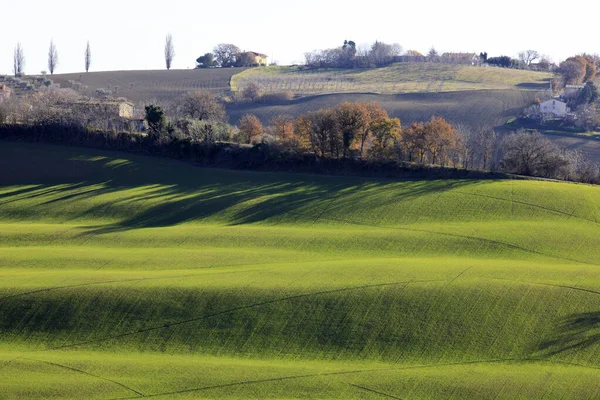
(555, 107)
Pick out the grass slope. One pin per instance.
(125, 276)
(474, 108)
(153, 85)
(395, 79)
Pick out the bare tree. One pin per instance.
(18, 60)
(52, 57)
(169, 51)
(201, 105)
(226, 54)
(528, 56)
(88, 57)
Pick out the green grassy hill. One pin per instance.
(128, 277)
(395, 79)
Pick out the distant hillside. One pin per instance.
(395, 79)
(153, 85)
(483, 107)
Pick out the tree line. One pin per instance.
(360, 132)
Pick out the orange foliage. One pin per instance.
(250, 128)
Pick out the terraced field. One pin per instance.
(396, 79)
(149, 86)
(130, 277)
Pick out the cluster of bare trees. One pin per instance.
(379, 54)
(53, 59)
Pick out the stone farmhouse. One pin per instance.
(253, 58)
(109, 108)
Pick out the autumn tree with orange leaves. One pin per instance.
(250, 129)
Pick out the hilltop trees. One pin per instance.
(169, 51)
(88, 57)
(528, 56)
(226, 54)
(379, 54)
(52, 57)
(206, 61)
(18, 60)
(501, 61)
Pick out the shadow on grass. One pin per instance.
(577, 332)
(172, 193)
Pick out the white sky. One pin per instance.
(129, 34)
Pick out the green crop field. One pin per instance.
(123, 277)
(395, 79)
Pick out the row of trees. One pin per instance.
(53, 59)
(349, 55)
(226, 55)
(349, 131)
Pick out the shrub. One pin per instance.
(277, 98)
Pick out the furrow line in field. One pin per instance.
(88, 374)
(324, 210)
(339, 373)
(571, 214)
(229, 311)
(389, 396)
(477, 238)
(54, 288)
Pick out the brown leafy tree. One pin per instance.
(285, 132)
(373, 112)
(440, 139)
(250, 129)
(573, 70)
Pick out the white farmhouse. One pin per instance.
(554, 108)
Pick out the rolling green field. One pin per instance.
(123, 277)
(395, 79)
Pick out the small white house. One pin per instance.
(554, 108)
